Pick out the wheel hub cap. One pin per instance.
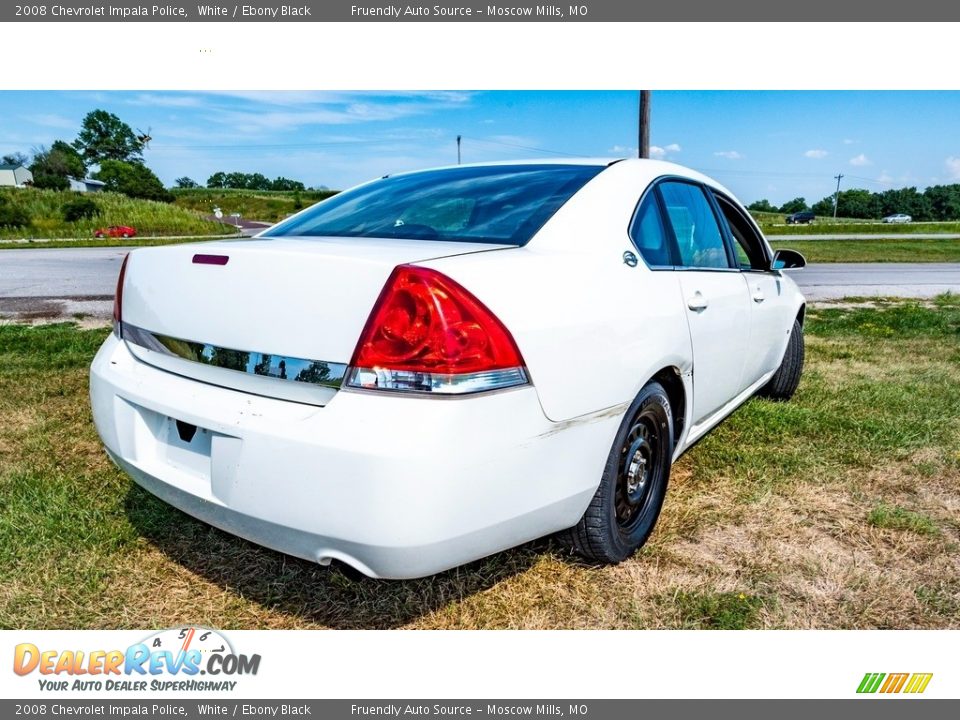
(637, 470)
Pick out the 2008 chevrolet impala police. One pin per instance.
(439, 365)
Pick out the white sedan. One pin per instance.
(897, 218)
(439, 365)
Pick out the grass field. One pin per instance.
(840, 509)
(45, 208)
(853, 227)
(269, 206)
(106, 242)
(886, 250)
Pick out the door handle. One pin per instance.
(758, 296)
(697, 302)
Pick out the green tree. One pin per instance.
(230, 359)
(236, 180)
(823, 208)
(217, 180)
(794, 206)
(762, 206)
(904, 200)
(103, 136)
(17, 158)
(185, 182)
(53, 167)
(315, 372)
(858, 203)
(944, 201)
(133, 180)
(282, 183)
(257, 181)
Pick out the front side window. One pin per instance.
(700, 243)
(503, 204)
(748, 245)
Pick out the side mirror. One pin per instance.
(787, 260)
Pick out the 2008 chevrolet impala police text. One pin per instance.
(439, 365)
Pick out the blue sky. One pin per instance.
(777, 145)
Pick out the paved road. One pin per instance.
(836, 280)
(866, 236)
(61, 282)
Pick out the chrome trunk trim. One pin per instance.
(269, 366)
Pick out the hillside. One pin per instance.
(45, 209)
(266, 205)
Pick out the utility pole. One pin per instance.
(836, 195)
(459, 137)
(643, 146)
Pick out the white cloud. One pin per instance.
(164, 100)
(660, 153)
(953, 167)
(860, 160)
(884, 177)
(816, 154)
(623, 150)
(729, 154)
(849, 141)
(52, 120)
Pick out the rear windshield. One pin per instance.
(504, 204)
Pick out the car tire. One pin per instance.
(785, 380)
(124, 235)
(625, 508)
(98, 235)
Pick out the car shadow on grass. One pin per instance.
(309, 594)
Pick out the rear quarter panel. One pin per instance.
(591, 329)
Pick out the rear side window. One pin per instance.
(649, 234)
(700, 243)
(503, 204)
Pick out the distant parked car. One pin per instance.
(898, 218)
(114, 231)
(804, 217)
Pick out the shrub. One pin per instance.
(80, 209)
(133, 180)
(12, 216)
(50, 181)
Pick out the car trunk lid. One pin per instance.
(229, 312)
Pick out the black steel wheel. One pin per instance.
(627, 503)
(785, 380)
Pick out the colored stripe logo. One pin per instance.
(913, 683)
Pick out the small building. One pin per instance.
(86, 185)
(15, 176)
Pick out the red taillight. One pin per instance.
(118, 298)
(428, 333)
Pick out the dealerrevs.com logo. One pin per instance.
(892, 683)
(178, 659)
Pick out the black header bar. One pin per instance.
(465, 11)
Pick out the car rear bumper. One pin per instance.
(397, 487)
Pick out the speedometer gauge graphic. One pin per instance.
(191, 637)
